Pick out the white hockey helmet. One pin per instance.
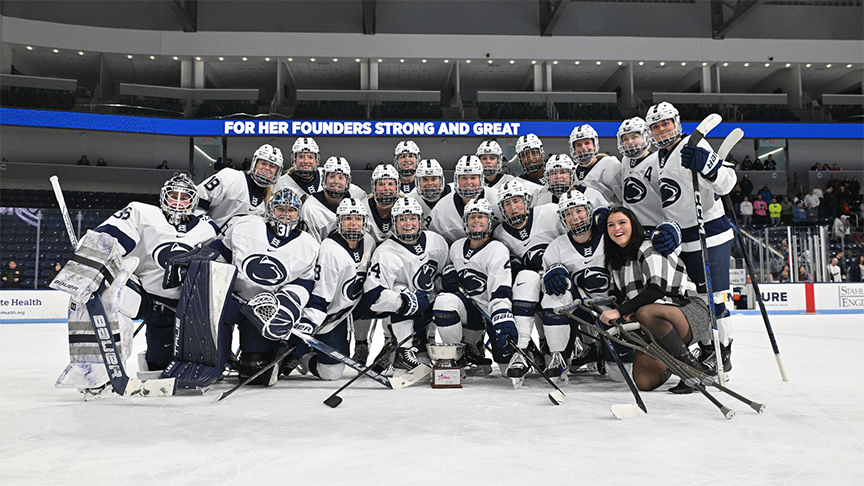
(514, 189)
(468, 165)
(272, 155)
(490, 147)
(584, 156)
(337, 165)
(351, 207)
(406, 147)
(557, 165)
(307, 145)
(580, 221)
(430, 168)
(633, 125)
(408, 209)
(477, 206)
(388, 197)
(529, 149)
(657, 113)
(178, 198)
(282, 212)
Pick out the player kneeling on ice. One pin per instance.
(480, 268)
(138, 241)
(657, 293)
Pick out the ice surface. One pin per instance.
(484, 434)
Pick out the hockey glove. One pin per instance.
(414, 302)
(700, 160)
(450, 279)
(505, 328)
(305, 328)
(598, 219)
(666, 237)
(176, 267)
(557, 280)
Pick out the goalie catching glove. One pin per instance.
(276, 314)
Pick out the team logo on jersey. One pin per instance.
(523, 234)
(353, 289)
(592, 279)
(670, 192)
(472, 281)
(425, 274)
(264, 270)
(254, 200)
(634, 190)
(163, 252)
(534, 257)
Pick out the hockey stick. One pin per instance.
(222, 396)
(557, 397)
(334, 400)
(704, 127)
(111, 357)
(734, 137)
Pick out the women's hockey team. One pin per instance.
(305, 265)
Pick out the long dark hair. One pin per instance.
(616, 256)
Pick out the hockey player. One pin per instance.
(385, 192)
(430, 187)
(406, 156)
(340, 273)
(447, 216)
(304, 177)
(677, 161)
(400, 282)
(230, 193)
(318, 214)
(480, 267)
(596, 170)
(529, 151)
(490, 155)
(526, 232)
(639, 172)
(139, 238)
(560, 178)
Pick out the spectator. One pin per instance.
(811, 199)
(856, 272)
(12, 276)
(247, 164)
(229, 164)
(101, 162)
(786, 211)
(760, 210)
(799, 214)
(746, 186)
(53, 273)
(757, 164)
(829, 204)
(731, 159)
(83, 160)
(833, 183)
(218, 165)
(770, 164)
(834, 271)
(746, 164)
(842, 200)
(825, 167)
(815, 166)
(803, 275)
(774, 210)
(784, 275)
(836, 167)
(841, 228)
(736, 196)
(368, 166)
(854, 189)
(812, 215)
(746, 211)
(163, 165)
(765, 192)
(841, 262)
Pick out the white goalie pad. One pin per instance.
(98, 254)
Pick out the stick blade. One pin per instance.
(709, 123)
(164, 387)
(624, 411)
(333, 401)
(419, 373)
(557, 397)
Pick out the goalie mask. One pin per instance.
(430, 179)
(660, 136)
(351, 219)
(584, 145)
(282, 211)
(490, 153)
(337, 177)
(514, 201)
(574, 212)
(468, 176)
(529, 149)
(385, 185)
(560, 174)
(632, 137)
(405, 158)
(178, 198)
(407, 218)
(266, 165)
(305, 156)
(477, 219)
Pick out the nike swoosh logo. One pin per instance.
(272, 249)
(520, 283)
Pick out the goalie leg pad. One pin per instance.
(99, 256)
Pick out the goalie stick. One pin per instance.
(111, 357)
(731, 140)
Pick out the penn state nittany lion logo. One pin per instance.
(670, 191)
(353, 289)
(472, 281)
(594, 280)
(424, 275)
(264, 270)
(534, 257)
(634, 190)
(163, 252)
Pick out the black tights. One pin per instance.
(660, 320)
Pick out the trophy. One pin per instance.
(445, 372)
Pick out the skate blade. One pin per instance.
(517, 382)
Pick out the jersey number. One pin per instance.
(648, 174)
(123, 213)
(211, 184)
(376, 269)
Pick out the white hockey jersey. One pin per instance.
(638, 189)
(675, 186)
(424, 204)
(593, 195)
(604, 176)
(500, 180)
(446, 217)
(377, 226)
(484, 273)
(534, 188)
(230, 193)
(144, 232)
(340, 274)
(266, 263)
(585, 262)
(305, 189)
(530, 242)
(406, 187)
(317, 216)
